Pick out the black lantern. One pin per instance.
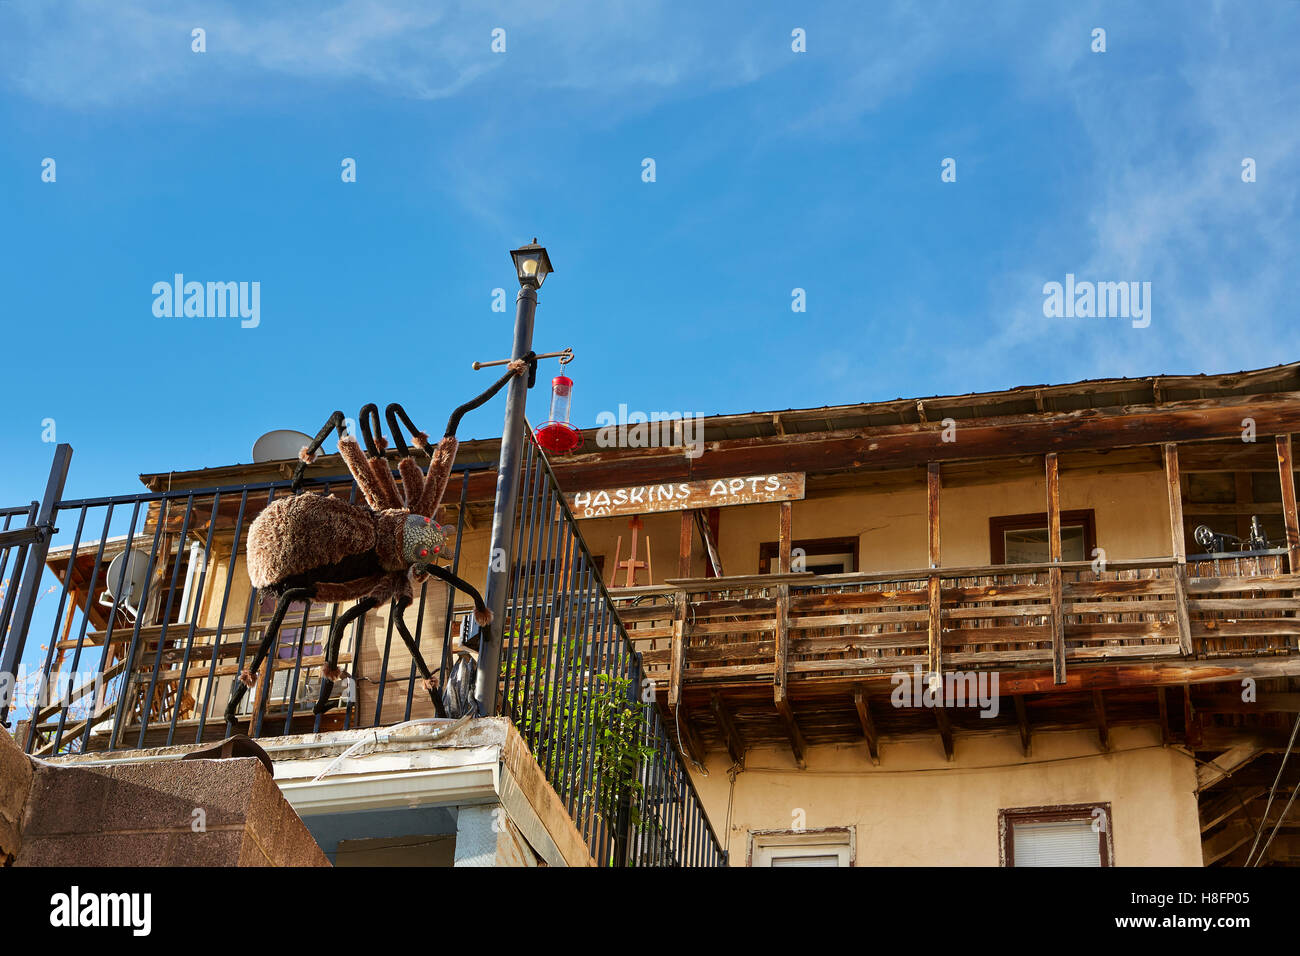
(532, 264)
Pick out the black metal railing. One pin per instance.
(574, 686)
(18, 531)
(149, 622)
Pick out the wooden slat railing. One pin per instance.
(990, 617)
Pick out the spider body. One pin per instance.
(347, 551)
(313, 547)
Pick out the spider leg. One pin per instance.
(368, 422)
(309, 453)
(330, 671)
(399, 618)
(481, 613)
(418, 438)
(454, 422)
(272, 629)
(373, 433)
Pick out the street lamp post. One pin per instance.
(532, 265)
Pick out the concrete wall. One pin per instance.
(172, 813)
(916, 808)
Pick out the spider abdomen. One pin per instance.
(295, 536)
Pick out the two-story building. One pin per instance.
(1054, 624)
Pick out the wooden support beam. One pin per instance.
(727, 728)
(780, 674)
(1022, 720)
(1286, 472)
(783, 539)
(798, 746)
(1162, 702)
(1181, 613)
(1236, 800)
(780, 670)
(933, 485)
(1053, 472)
(1178, 544)
(677, 664)
(1099, 713)
(1175, 671)
(1227, 763)
(1234, 835)
(868, 725)
(934, 627)
(945, 728)
(685, 543)
(1175, 494)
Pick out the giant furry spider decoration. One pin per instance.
(315, 547)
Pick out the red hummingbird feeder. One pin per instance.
(556, 435)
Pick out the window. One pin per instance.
(1077, 835)
(1022, 539)
(820, 555)
(829, 846)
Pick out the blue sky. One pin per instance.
(775, 170)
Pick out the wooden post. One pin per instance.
(1286, 472)
(678, 662)
(1175, 489)
(933, 485)
(1174, 486)
(935, 622)
(783, 559)
(779, 671)
(779, 675)
(1054, 573)
(684, 546)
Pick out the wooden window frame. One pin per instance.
(769, 551)
(999, 524)
(796, 838)
(1058, 813)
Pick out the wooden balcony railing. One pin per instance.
(805, 627)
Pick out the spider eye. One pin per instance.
(437, 549)
(424, 552)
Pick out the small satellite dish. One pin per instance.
(126, 574)
(279, 445)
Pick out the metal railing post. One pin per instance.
(32, 571)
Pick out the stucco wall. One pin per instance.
(1132, 521)
(917, 809)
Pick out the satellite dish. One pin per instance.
(126, 574)
(279, 445)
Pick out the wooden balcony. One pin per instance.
(800, 658)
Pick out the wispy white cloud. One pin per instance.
(90, 54)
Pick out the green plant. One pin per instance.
(569, 710)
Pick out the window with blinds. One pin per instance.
(828, 846)
(1068, 843)
(1078, 835)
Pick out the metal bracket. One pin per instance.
(565, 358)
